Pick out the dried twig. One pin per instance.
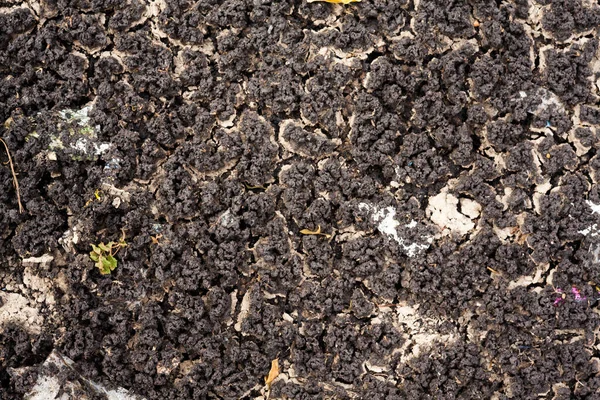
(14, 175)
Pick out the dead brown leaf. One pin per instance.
(273, 373)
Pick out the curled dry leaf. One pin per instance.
(273, 373)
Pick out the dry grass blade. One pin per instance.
(14, 175)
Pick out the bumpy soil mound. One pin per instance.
(381, 200)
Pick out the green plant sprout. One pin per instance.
(104, 255)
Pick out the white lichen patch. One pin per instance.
(55, 144)
(549, 99)
(71, 237)
(76, 134)
(443, 211)
(84, 144)
(592, 231)
(411, 224)
(81, 145)
(388, 225)
(595, 207)
(101, 148)
(81, 117)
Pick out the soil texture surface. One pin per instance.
(386, 199)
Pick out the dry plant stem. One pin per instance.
(14, 175)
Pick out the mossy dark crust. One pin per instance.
(445, 152)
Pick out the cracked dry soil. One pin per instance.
(394, 199)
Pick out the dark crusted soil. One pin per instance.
(448, 148)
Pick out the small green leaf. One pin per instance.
(105, 247)
(106, 262)
(105, 266)
(100, 266)
(112, 262)
(103, 255)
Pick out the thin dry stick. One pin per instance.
(15, 181)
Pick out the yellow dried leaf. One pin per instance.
(336, 1)
(273, 373)
(156, 238)
(317, 232)
(309, 232)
